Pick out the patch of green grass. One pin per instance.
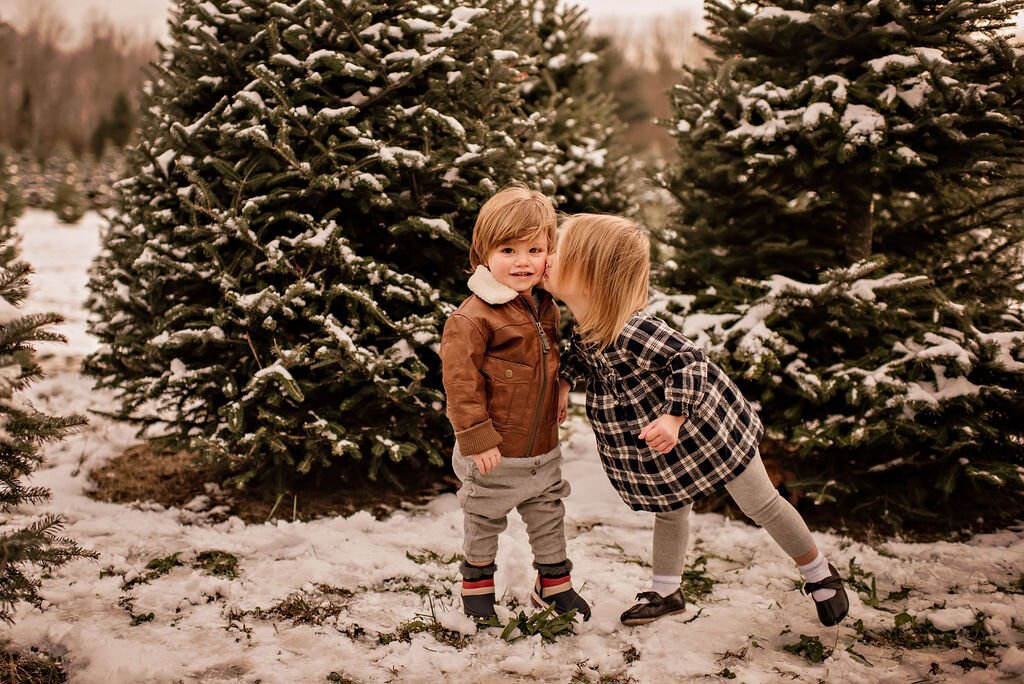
(585, 674)
(631, 655)
(811, 648)
(157, 567)
(1014, 587)
(967, 664)
(978, 634)
(907, 633)
(633, 560)
(34, 667)
(696, 581)
(546, 623)
(902, 595)
(858, 580)
(353, 631)
(139, 619)
(162, 566)
(857, 656)
(400, 584)
(309, 609)
(338, 678)
(427, 556)
(425, 623)
(218, 563)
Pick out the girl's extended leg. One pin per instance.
(754, 493)
(757, 497)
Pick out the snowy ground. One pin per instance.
(363, 579)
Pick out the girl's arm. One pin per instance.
(462, 356)
(686, 385)
(570, 366)
(684, 366)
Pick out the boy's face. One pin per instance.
(519, 264)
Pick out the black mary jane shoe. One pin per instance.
(657, 606)
(831, 611)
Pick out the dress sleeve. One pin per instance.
(664, 351)
(570, 365)
(462, 356)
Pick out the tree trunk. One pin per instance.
(860, 228)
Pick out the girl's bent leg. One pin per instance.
(754, 493)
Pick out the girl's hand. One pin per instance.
(662, 434)
(563, 401)
(487, 461)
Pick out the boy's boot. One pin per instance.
(478, 589)
(554, 587)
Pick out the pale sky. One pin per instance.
(148, 16)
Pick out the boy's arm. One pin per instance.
(462, 355)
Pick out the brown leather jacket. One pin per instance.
(500, 370)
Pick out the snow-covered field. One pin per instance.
(366, 579)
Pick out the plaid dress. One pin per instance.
(650, 370)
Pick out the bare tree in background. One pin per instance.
(55, 96)
(654, 51)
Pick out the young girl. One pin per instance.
(671, 427)
(499, 357)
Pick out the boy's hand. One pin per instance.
(487, 461)
(662, 434)
(563, 401)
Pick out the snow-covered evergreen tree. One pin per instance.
(295, 228)
(35, 547)
(576, 110)
(818, 136)
(69, 201)
(11, 203)
(882, 392)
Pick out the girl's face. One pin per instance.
(520, 264)
(554, 283)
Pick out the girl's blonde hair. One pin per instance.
(514, 213)
(608, 259)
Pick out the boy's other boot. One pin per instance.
(554, 587)
(478, 589)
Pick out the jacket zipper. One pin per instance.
(543, 375)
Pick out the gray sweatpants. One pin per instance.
(534, 486)
(754, 493)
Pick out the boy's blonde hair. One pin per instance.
(608, 259)
(514, 213)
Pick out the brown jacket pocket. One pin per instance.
(506, 384)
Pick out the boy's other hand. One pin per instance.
(563, 401)
(662, 434)
(487, 461)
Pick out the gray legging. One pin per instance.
(754, 493)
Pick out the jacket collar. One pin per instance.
(485, 286)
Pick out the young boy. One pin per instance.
(499, 355)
